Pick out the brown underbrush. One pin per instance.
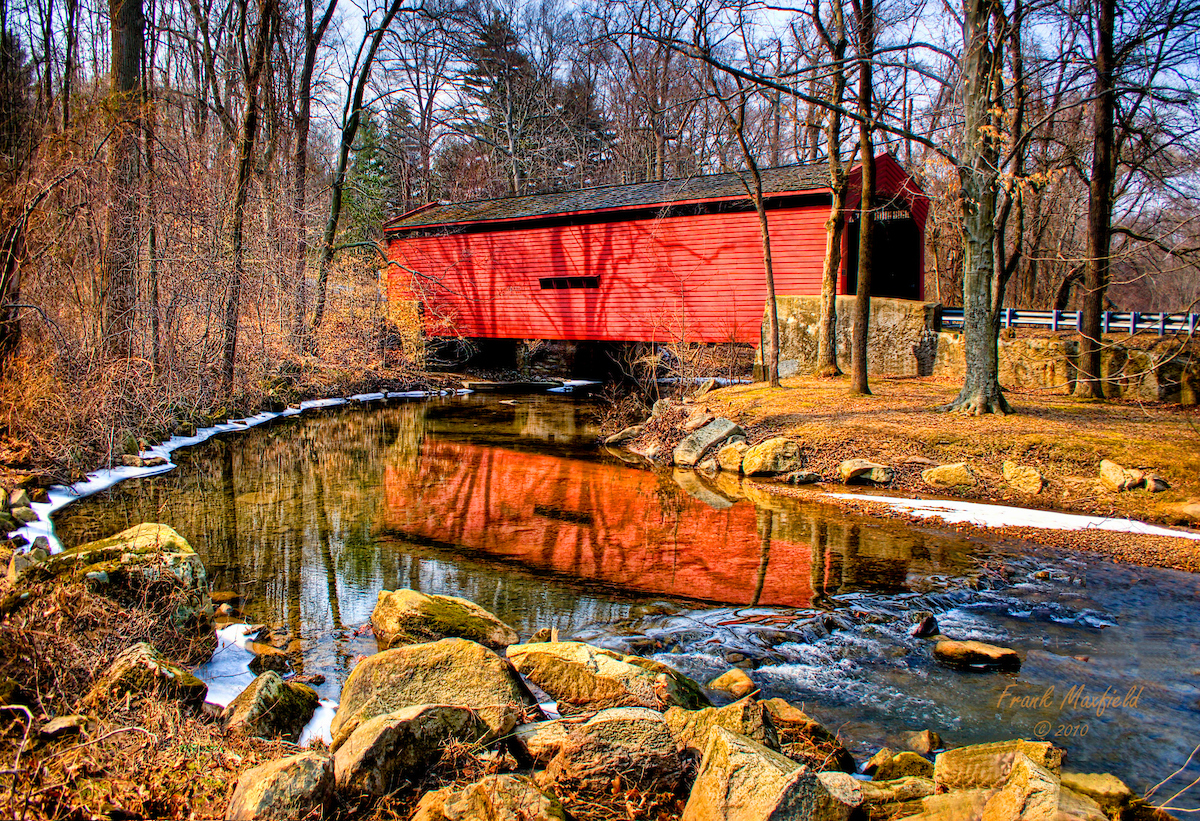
(62, 425)
(138, 757)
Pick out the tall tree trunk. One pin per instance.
(12, 250)
(148, 117)
(835, 42)
(69, 60)
(258, 59)
(866, 221)
(1099, 226)
(300, 167)
(771, 360)
(350, 124)
(982, 291)
(119, 269)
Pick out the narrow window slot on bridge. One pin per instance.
(563, 283)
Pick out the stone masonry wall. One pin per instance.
(905, 341)
(1166, 370)
(902, 335)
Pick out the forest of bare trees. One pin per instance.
(191, 194)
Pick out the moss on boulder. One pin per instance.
(288, 789)
(393, 749)
(142, 670)
(495, 798)
(132, 559)
(745, 717)
(271, 707)
(408, 617)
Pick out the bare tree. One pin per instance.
(352, 113)
(263, 40)
(833, 37)
(985, 31)
(864, 12)
(303, 122)
(120, 265)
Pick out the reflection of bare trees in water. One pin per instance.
(766, 522)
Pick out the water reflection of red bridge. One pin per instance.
(599, 522)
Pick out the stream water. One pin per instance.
(510, 504)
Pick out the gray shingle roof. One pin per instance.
(806, 177)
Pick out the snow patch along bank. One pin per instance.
(985, 515)
(60, 496)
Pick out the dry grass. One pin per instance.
(1063, 436)
(62, 424)
(140, 757)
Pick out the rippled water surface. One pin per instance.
(508, 502)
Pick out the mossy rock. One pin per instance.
(746, 717)
(500, 797)
(409, 617)
(271, 707)
(142, 555)
(141, 670)
(288, 789)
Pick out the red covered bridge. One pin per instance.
(655, 261)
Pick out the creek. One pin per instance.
(510, 503)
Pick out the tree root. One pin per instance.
(827, 372)
(977, 403)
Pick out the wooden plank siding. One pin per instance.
(696, 277)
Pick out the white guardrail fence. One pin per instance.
(1130, 322)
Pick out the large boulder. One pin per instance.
(582, 677)
(691, 450)
(1030, 793)
(1115, 478)
(1024, 478)
(296, 787)
(271, 707)
(408, 617)
(773, 457)
(958, 474)
(391, 749)
(451, 671)
(494, 798)
(976, 654)
(630, 746)
(1108, 791)
(745, 717)
(142, 670)
(807, 741)
(739, 778)
(987, 766)
(864, 470)
(542, 739)
(137, 558)
(731, 454)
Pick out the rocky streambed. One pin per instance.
(456, 718)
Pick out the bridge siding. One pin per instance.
(697, 277)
